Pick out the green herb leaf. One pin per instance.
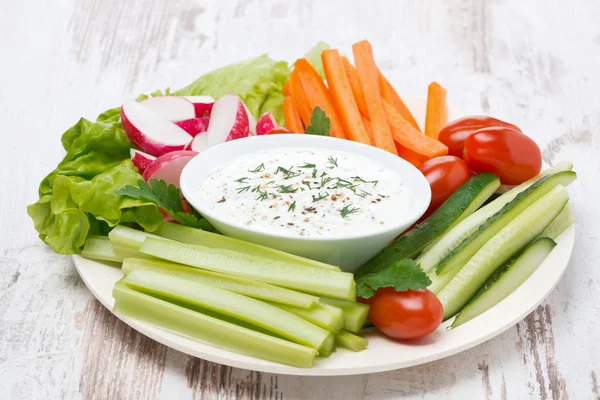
(402, 275)
(319, 123)
(347, 210)
(259, 168)
(292, 207)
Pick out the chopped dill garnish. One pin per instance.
(260, 168)
(307, 165)
(243, 189)
(320, 197)
(332, 161)
(241, 180)
(314, 173)
(286, 189)
(347, 210)
(256, 188)
(263, 195)
(292, 206)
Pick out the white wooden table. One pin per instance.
(535, 63)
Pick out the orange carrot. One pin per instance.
(359, 96)
(415, 159)
(369, 128)
(318, 95)
(341, 92)
(436, 117)
(391, 96)
(286, 87)
(406, 135)
(292, 118)
(300, 101)
(368, 75)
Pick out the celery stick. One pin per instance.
(305, 279)
(188, 235)
(350, 341)
(323, 315)
(212, 331)
(247, 287)
(328, 346)
(99, 248)
(235, 305)
(123, 237)
(129, 253)
(355, 314)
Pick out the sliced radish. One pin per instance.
(193, 126)
(265, 123)
(172, 108)
(169, 166)
(200, 142)
(151, 132)
(202, 104)
(141, 160)
(228, 120)
(251, 122)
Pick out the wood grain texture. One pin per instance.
(534, 63)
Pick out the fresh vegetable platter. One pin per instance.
(494, 241)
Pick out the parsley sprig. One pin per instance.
(319, 123)
(402, 275)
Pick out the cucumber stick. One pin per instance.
(350, 341)
(258, 313)
(565, 219)
(450, 240)
(188, 235)
(323, 315)
(500, 248)
(99, 248)
(502, 284)
(463, 202)
(450, 265)
(210, 330)
(246, 287)
(355, 314)
(305, 279)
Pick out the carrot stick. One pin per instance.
(436, 117)
(300, 101)
(406, 135)
(286, 88)
(391, 96)
(359, 96)
(341, 92)
(318, 95)
(292, 119)
(369, 128)
(368, 75)
(415, 159)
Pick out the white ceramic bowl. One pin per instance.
(349, 252)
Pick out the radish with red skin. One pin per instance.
(251, 122)
(168, 167)
(141, 160)
(172, 108)
(202, 105)
(265, 123)
(228, 120)
(150, 132)
(193, 126)
(200, 142)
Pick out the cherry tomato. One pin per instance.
(405, 315)
(445, 174)
(510, 154)
(279, 130)
(454, 134)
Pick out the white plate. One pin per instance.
(382, 354)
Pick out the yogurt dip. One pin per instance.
(309, 192)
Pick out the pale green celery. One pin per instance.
(323, 315)
(328, 346)
(126, 238)
(210, 330)
(355, 314)
(129, 253)
(351, 341)
(228, 303)
(186, 234)
(99, 248)
(246, 287)
(305, 279)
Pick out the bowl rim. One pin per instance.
(282, 141)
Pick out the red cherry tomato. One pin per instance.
(279, 130)
(445, 174)
(511, 155)
(454, 134)
(405, 315)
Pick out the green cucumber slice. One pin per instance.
(188, 235)
(513, 237)
(433, 255)
(507, 279)
(210, 330)
(246, 287)
(99, 248)
(355, 314)
(450, 265)
(463, 202)
(351, 341)
(255, 312)
(565, 219)
(317, 281)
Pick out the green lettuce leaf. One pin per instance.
(314, 57)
